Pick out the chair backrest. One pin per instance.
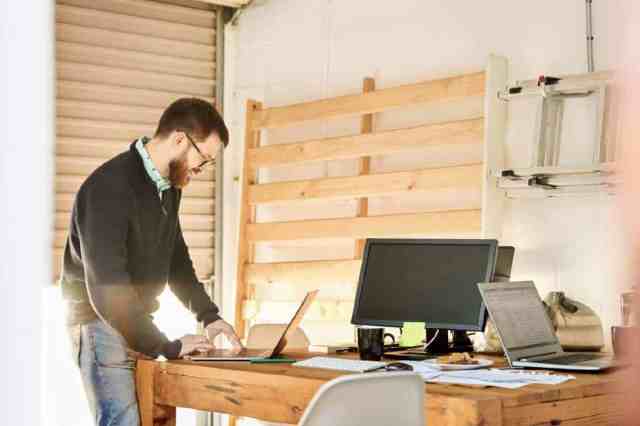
(265, 336)
(372, 399)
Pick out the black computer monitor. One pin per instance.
(424, 280)
(433, 281)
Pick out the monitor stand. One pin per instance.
(439, 346)
(461, 342)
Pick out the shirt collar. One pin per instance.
(161, 182)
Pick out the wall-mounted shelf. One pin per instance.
(546, 177)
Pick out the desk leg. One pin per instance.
(151, 414)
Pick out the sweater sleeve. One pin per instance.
(102, 215)
(186, 286)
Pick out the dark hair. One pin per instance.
(197, 117)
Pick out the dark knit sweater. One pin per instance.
(125, 244)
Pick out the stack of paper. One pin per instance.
(509, 379)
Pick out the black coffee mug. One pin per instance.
(371, 342)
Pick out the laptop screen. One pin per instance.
(519, 315)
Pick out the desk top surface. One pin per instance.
(585, 384)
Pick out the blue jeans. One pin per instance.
(107, 368)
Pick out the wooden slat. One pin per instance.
(134, 42)
(320, 310)
(135, 79)
(195, 206)
(129, 59)
(151, 10)
(244, 248)
(316, 273)
(364, 165)
(118, 95)
(84, 166)
(133, 24)
(448, 178)
(379, 143)
(98, 148)
(79, 128)
(447, 89)
(440, 223)
(228, 3)
(198, 222)
(188, 222)
(195, 189)
(108, 112)
(194, 239)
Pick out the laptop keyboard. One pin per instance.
(569, 359)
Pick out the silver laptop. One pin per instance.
(526, 332)
(258, 354)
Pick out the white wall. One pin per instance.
(26, 206)
(287, 51)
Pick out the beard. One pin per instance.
(179, 173)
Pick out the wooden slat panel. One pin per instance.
(135, 79)
(133, 24)
(195, 206)
(74, 127)
(195, 189)
(118, 95)
(379, 143)
(129, 59)
(188, 222)
(84, 166)
(134, 42)
(450, 222)
(315, 273)
(203, 260)
(120, 63)
(150, 9)
(108, 112)
(369, 185)
(447, 89)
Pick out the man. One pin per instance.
(125, 243)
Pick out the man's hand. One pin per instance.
(220, 326)
(194, 343)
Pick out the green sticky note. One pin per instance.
(413, 334)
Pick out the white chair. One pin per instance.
(373, 399)
(265, 336)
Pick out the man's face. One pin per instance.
(190, 162)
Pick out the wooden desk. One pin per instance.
(280, 393)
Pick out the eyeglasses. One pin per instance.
(206, 161)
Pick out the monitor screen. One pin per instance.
(430, 281)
